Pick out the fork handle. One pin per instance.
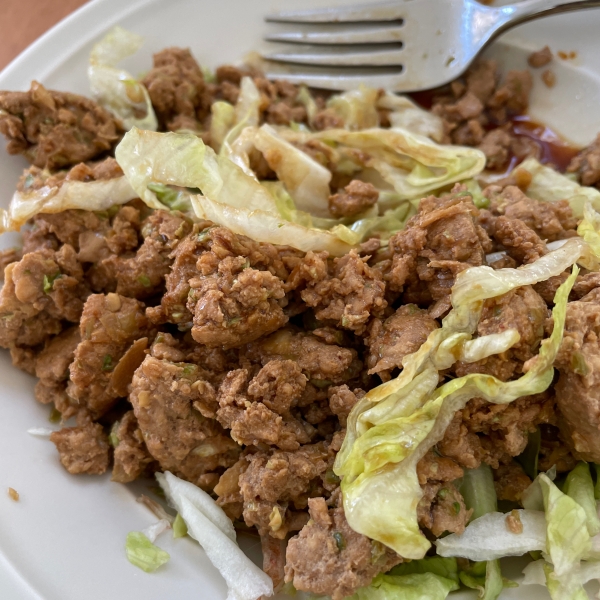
(529, 10)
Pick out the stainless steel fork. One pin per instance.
(402, 45)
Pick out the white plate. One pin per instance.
(64, 540)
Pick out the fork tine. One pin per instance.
(386, 11)
(379, 35)
(341, 58)
(339, 81)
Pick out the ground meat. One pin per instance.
(109, 325)
(346, 292)
(513, 95)
(321, 363)
(587, 164)
(52, 369)
(41, 290)
(82, 449)
(177, 90)
(143, 275)
(440, 241)
(521, 242)
(356, 198)
(342, 400)
(578, 387)
(131, 455)
(177, 435)
(55, 129)
(496, 146)
(540, 58)
(442, 507)
(236, 305)
(494, 433)
(510, 481)
(259, 412)
(550, 220)
(329, 558)
(8, 256)
(549, 78)
(276, 484)
(401, 334)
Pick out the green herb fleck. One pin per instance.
(189, 369)
(321, 383)
(331, 478)
(107, 363)
(578, 364)
(48, 282)
(233, 321)
(339, 540)
(55, 416)
(442, 493)
(179, 527)
(169, 197)
(113, 438)
(144, 280)
(456, 507)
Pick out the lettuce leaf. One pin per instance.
(264, 226)
(93, 195)
(568, 541)
(589, 228)
(405, 114)
(443, 567)
(357, 108)
(488, 538)
(212, 529)
(580, 487)
(412, 164)
(222, 120)
(415, 586)
(550, 186)
(185, 161)
(394, 425)
(115, 89)
(305, 179)
(142, 553)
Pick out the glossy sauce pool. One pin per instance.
(553, 149)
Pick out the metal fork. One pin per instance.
(403, 45)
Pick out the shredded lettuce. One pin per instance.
(264, 226)
(589, 228)
(185, 161)
(305, 179)
(568, 541)
(443, 567)
(549, 185)
(93, 195)
(412, 164)
(580, 487)
(305, 98)
(405, 114)
(222, 120)
(179, 527)
(142, 553)
(415, 586)
(393, 426)
(115, 89)
(213, 530)
(357, 108)
(488, 538)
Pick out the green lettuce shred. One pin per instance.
(580, 487)
(414, 586)
(142, 553)
(115, 89)
(179, 527)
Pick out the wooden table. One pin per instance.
(23, 21)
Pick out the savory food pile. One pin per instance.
(360, 326)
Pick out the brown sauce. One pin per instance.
(553, 149)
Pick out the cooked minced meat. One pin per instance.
(180, 345)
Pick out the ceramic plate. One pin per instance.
(64, 539)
